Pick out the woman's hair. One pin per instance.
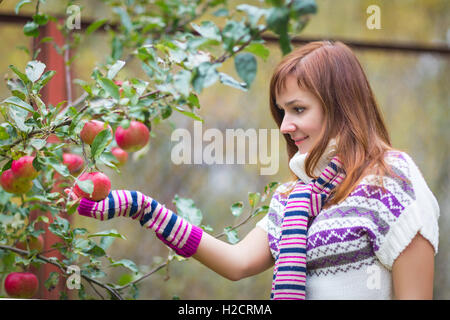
(333, 74)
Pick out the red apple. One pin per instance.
(91, 129)
(120, 154)
(33, 243)
(53, 138)
(119, 83)
(12, 184)
(134, 138)
(73, 162)
(21, 284)
(23, 168)
(102, 186)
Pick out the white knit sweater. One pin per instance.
(352, 246)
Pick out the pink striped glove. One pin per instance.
(174, 231)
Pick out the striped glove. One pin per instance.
(174, 231)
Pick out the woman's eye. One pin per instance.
(299, 109)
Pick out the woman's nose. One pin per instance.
(287, 126)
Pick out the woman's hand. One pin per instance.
(71, 194)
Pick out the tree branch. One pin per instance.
(63, 269)
(251, 215)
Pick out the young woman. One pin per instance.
(357, 221)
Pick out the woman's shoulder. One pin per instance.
(401, 167)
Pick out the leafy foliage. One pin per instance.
(180, 59)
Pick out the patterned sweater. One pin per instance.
(352, 246)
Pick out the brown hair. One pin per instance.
(332, 72)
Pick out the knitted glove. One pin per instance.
(174, 231)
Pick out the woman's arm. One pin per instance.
(248, 257)
(413, 271)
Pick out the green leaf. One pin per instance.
(165, 111)
(72, 207)
(86, 185)
(96, 251)
(20, 4)
(100, 142)
(117, 48)
(232, 235)
(31, 29)
(46, 77)
(95, 25)
(205, 75)
(261, 210)
(254, 13)
(110, 87)
(4, 135)
(188, 113)
(56, 165)
(41, 19)
(269, 188)
(245, 65)
(19, 117)
(124, 18)
(222, 12)
(19, 103)
(186, 209)
(21, 75)
(52, 281)
(115, 68)
(278, 21)
(230, 81)
(124, 279)
(193, 100)
(208, 30)
(259, 50)
(236, 208)
(182, 82)
(233, 33)
(254, 198)
(38, 144)
(127, 264)
(108, 233)
(106, 242)
(34, 70)
(302, 7)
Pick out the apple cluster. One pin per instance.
(19, 178)
(130, 139)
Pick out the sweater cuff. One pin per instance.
(400, 235)
(86, 207)
(192, 243)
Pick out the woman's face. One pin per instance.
(303, 115)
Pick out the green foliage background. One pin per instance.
(412, 90)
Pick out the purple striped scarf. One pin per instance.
(305, 201)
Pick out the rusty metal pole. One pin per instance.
(53, 93)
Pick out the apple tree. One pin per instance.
(47, 148)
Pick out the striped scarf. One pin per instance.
(305, 201)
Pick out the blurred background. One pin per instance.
(411, 88)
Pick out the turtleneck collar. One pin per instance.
(297, 162)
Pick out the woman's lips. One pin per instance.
(297, 142)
